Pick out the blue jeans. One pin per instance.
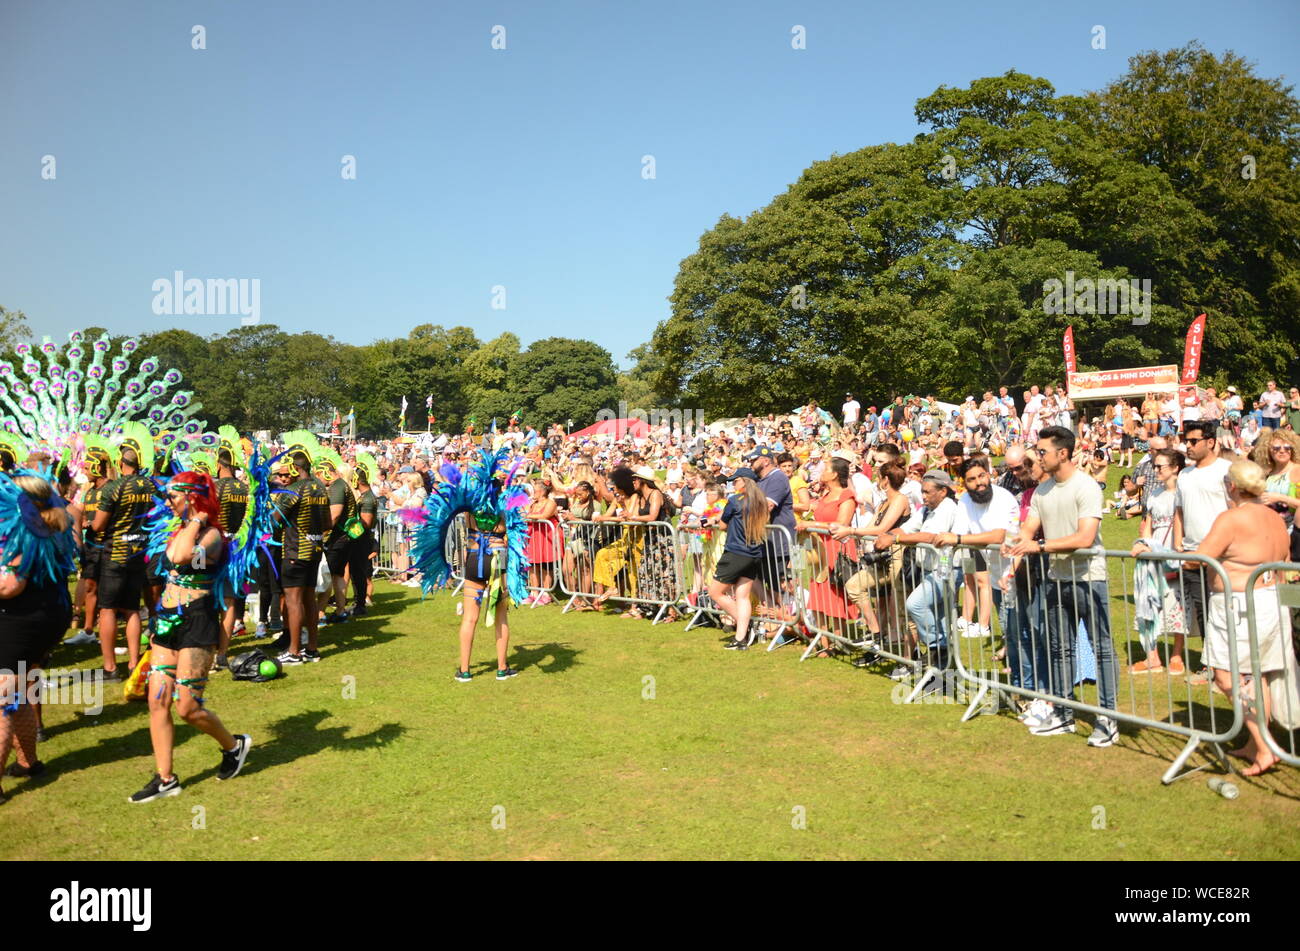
(1068, 603)
(1024, 620)
(928, 611)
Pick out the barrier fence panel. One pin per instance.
(389, 540)
(776, 602)
(631, 562)
(1098, 632)
(545, 559)
(1269, 600)
(886, 603)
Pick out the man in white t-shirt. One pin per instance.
(1271, 402)
(1170, 417)
(852, 410)
(985, 513)
(1067, 506)
(1199, 500)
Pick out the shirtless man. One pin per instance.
(1247, 535)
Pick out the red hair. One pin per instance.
(201, 492)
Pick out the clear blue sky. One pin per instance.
(476, 167)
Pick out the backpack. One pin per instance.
(248, 666)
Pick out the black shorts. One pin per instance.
(92, 560)
(121, 585)
(299, 574)
(337, 555)
(1126, 442)
(479, 571)
(774, 567)
(198, 627)
(733, 566)
(29, 638)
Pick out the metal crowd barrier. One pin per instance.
(545, 551)
(1073, 645)
(861, 599)
(778, 589)
(388, 540)
(632, 562)
(1281, 678)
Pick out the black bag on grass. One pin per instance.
(248, 666)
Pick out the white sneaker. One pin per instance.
(969, 628)
(961, 626)
(1039, 710)
(1059, 721)
(1105, 733)
(986, 632)
(119, 651)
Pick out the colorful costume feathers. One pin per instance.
(44, 556)
(489, 501)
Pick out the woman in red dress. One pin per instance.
(543, 538)
(836, 504)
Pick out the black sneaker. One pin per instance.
(18, 772)
(282, 642)
(359, 612)
(232, 761)
(901, 672)
(157, 789)
(115, 674)
(310, 656)
(222, 663)
(507, 673)
(288, 658)
(735, 645)
(865, 660)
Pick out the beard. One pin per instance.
(982, 496)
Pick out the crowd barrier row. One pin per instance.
(935, 615)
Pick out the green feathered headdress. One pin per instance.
(328, 459)
(366, 468)
(136, 436)
(201, 461)
(228, 441)
(100, 456)
(299, 440)
(13, 450)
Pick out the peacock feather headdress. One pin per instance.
(41, 553)
(53, 401)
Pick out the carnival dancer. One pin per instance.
(37, 556)
(496, 563)
(232, 502)
(304, 506)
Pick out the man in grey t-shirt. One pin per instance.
(1068, 508)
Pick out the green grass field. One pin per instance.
(618, 741)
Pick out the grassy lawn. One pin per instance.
(720, 755)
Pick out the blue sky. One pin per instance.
(476, 167)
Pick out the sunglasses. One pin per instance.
(1193, 442)
(1282, 448)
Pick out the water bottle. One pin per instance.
(1012, 539)
(1221, 786)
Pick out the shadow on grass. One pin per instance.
(300, 735)
(544, 658)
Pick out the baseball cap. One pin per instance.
(1232, 389)
(846, 454)
(759, 453)
(405, 469)
(745, 473)
(939, 477)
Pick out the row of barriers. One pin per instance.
(1100, 633)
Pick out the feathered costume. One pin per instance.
(60, 404)
(488, 500)
(45, 556)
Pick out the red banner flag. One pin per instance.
(1192, 350)
(1069, 350)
